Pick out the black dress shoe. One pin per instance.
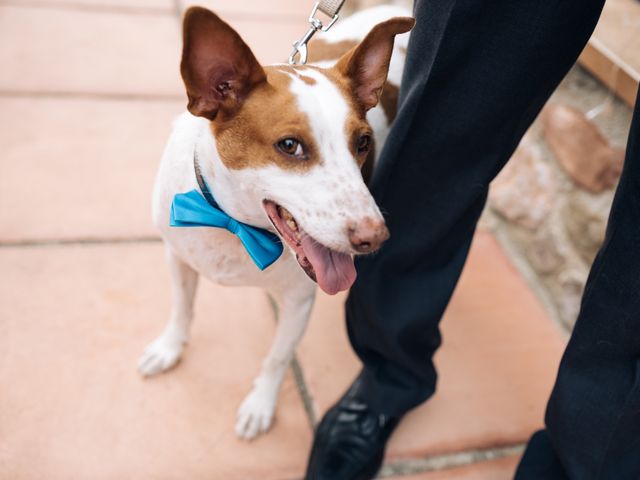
(350, 441)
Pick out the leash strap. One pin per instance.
(329, 8)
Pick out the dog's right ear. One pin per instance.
(218, 68)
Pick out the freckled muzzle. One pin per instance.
(333, 271)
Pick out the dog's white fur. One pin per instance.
(322, 200)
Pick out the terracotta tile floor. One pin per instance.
(90, 95)
(94, 52)
(291, 12)
(493, 332)
(130, 5)
(74, 321)
(76, 152)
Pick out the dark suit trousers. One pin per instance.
(477, 74)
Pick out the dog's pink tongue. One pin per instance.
(335, 271)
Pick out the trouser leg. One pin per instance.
(476, 76)
(593, 415)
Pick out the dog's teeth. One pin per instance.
(286, 215)
(292, 224)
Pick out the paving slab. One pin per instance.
(279, 10)
(65, 50)
(74, 321)
(80, 168)
(133, 5)
(500, 469)
(497, 364)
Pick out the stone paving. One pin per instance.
(88, 94)
(613, 52)
(546, 206)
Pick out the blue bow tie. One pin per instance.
(191, 209)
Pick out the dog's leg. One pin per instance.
(164, 352)
(256, 412)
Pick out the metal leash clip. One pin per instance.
(300, 47)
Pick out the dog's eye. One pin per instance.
(363, 144)
(291, 146)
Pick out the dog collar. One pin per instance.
(199, 209)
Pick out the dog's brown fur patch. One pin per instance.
(268, 115)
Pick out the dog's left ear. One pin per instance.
(367, 65)
(218, 68)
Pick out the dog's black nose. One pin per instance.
(367, 235)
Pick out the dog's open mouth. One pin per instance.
(333, 271)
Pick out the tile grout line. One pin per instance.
(78, 241)
(448, 461)
(304, 392)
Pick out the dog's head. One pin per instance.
(294, 138)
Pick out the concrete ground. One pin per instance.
(87, 95)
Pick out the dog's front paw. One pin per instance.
(255, 415)
(160, 355)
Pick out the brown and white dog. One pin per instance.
(281, 148)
